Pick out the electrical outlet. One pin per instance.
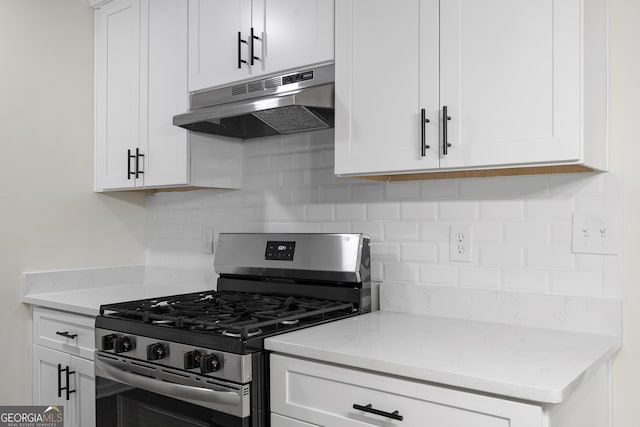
(206, 241)
(460, 243)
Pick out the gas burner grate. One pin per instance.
(228, 313)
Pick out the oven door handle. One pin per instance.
(168, 389)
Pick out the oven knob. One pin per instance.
(122, 344)
(108, 341)
(156, 351)
(192, 359)
(209, 363)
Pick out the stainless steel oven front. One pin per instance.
(135, 393)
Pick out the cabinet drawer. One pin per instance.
(280, 421)
(324, 394)
(51, 326)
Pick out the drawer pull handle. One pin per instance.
(67, 335)
(395, 415)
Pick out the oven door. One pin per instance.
(133, 393)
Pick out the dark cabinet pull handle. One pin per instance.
(67, 335)
(445, 136)
(68, 373)
(251, 53)
(240, 41)
(395, 415)
(59, 380)
(138, 155)
(423, 131)
(129, 157)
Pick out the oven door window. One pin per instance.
(120, 405)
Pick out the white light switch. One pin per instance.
(595, 233)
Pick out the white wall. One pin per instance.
(624, 143)
(50, 217)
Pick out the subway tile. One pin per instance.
(192, 231)
(613, 276)
(479, 188)
(401, 231)
(256, 164)
(328, 158)
(421, 211)
(351, 212)
(486, 232)
(202, 216)
(401, 272)
(549, 257)
(574, 185)
(506, 256)
(294, 178)
(383, 211)
(319, 212)
(525, 280)
(502, 210)
(270, 145)
(334, 194)
(526, 232)
(163, 215)
(367, 192)
(480, 278)
(404, 190)
(439, 275)
(319, 177)
(423, 253)
(457, 210)
(439, 189)
(385, 252)
(181, 216)
(561, 233)
(578, 283)
(309, 160)
(280, 162)
(524, 187)
(549, 210)
(434, 232)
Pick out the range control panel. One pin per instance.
(280, 251)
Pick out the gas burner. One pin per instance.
(290, 322)
(236, 334)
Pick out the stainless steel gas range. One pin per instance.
(198, 359)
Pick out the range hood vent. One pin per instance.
(289, 103)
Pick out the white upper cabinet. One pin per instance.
(523, 83)
(140, 84)
(235, 40)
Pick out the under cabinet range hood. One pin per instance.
(288, 103)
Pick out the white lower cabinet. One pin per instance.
(62, 372)
(304, 392)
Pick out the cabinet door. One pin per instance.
(164, 43)
(84, 398)
(324, 394)
(117, 92)
(386, 72)
(44, 377)
(79, 410)
(292, 34)
(510, 77)
(213, 42)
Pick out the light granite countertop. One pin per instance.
(83, 291)
(534, 364)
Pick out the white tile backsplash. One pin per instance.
(521, 225)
